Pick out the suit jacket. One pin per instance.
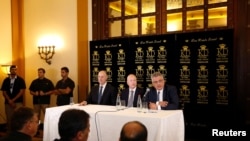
(108, 96)
(169, 94)
(125, 95)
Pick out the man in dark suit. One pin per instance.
(130, 94)
(103, 94)
(162, 96)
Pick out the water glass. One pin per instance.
(71, 101)
(144, 107)
(123, 104)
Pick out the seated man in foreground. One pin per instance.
(24, 125)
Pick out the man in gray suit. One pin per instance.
(131, 94)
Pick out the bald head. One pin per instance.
(102, 77)
(131, 81)
(133, 131)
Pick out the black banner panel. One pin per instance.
(199, 64)
(112, 56)
(205, 66)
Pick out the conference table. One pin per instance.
(106, 122)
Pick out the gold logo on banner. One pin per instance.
(222, 95)
(139, 73)
(222, 54)
(202, 74)
(185, 55)
(185, 52)
(139, 85)
(109, 72)
(203, 54)
(202, 96)
(95, 74)
(121, 57)
(150, 55)
(121, 74)
(139, 54)
(121, 88)
(108, 58)
(150, 71)
(185, 74)
(162, 55)
(150, 85)
(222, 74)
(95, 58)
(185, 93)
(162, 70)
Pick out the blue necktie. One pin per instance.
(100, 95)
(158, 94)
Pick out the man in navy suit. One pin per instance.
(130, 94)
(102, 94)
(161, 96)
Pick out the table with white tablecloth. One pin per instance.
(106, 122)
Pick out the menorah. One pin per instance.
(46, 53)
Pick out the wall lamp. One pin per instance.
(5, 69)
(46, 53)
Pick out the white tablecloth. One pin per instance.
(162, 126)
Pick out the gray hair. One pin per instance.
(156, 74)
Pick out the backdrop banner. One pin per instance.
(199, 64)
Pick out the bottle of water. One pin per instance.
(118, 102)
(139, 104)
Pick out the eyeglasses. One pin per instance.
(159, 81)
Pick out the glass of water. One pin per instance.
(71, 101)
(123, 104)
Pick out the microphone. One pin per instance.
(146, 93)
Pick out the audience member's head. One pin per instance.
(25, 120)
(133, 131)
(73, 125)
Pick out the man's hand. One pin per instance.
(12, 103)
(163, 103)
(152, 106)
(83, 103)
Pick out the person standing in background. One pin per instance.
(64, 88)
(13, 88)
(41, 89)
(130, 94)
